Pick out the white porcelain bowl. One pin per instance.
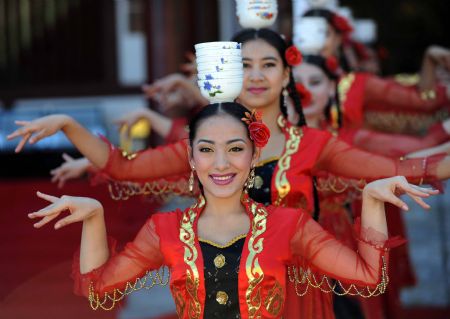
(215, 52)
(235, 74)
(218, 45)
(218, 67)
(218, 59)
(220, 90)
(256, 14)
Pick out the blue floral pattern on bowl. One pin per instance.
(212, 89)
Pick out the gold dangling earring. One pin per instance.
(251, 179)
(285, 97)
(191, 180)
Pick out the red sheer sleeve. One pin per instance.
(177, 130)
(343, 160)
(319, 252)
(397, 145)
(150, 164)
(387, 94)
(124, 272)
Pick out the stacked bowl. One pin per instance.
(256, 13)
(220, 70)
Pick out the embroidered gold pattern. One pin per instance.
(222, 297)
(187, 236)
(125, 190)
(219, 261)
(275, 299)
(254, 271)
(128, 156)
(343, 87)
(305, 278)
(339, 185)
(393, 122)
(292, 145)
(109, 300)
(231, 242)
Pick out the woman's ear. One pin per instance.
(332, 90)
(255, 158)
(190, 156)
(286, 76)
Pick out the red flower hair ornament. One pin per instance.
(258, 131)
(305, 95)
(341, 24)
(332, 64)
(293, 56)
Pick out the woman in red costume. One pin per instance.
(317, 84)
(292, 155)
(391, 105)
(243, 247)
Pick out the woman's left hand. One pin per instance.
(80, 209)
(388, 190)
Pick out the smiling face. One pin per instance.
(222, 155)
(317, 82)
(264, 75)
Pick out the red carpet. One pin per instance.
(35, 264)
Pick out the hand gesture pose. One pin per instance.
(388, 190)
(79, 208)
(36, 130)
(70, 169)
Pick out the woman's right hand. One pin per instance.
(80, 209)
(70, 169)
(38, 129)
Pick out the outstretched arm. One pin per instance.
(91, 146)
(366, 266)
(99, 270)
(344, 160)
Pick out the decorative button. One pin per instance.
(258, 182)
(222, 297)
(219, 261)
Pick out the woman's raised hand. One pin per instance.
(70, 169)
(79, 208)
(388, 190)
(34, 131)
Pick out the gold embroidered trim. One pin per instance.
(109, 300)
(284, 163)
(393, 122)
(275, 300)
(339, 185)
(254, 271)
(187, 236)
(344, 86)
(267, 160)
(125, 190)
(228, 244)
(305, 278)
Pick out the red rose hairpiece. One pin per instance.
(258, 131)
(293, 56)
(341, 24)
(305, 95)
(332, 64)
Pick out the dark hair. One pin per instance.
(329, 15)
(321, 63)
(276, 41)
(232, 109)
(322, 13)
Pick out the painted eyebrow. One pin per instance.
(265, 58)
(229, 142)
